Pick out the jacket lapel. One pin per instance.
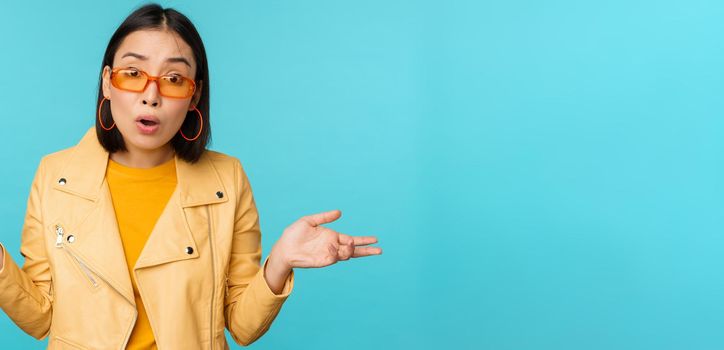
(98, 240)
(171, 237)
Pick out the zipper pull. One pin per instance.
(59, 238)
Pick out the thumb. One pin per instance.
(323, 217)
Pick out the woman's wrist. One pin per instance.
(2, 257)
(277, 266)
(277, 271)
(279, 260)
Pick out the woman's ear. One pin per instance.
(106, 83)
(197, 95)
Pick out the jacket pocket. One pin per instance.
(59, 343)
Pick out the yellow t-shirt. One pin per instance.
(139, 196)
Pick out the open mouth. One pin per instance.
(147, 120)
(147, 124)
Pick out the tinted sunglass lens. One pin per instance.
(129, 79)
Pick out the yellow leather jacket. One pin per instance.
(198, 273)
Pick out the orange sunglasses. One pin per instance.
(136, 80)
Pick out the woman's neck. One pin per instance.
(141, 158)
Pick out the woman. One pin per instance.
(140, 238)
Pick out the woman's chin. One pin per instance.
(146, 142)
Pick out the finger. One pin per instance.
(344, 252)
(356, 240)
(366, 251)
(364, 240)
(345, 239)
(322, 218)
(346, 246)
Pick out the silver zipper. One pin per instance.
(85, 268)
(213, 276)
(59, 238)
(59, 244)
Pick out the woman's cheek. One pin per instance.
(121, 108)
(179, 113)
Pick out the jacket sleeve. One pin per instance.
(25, 294)
(250, 305)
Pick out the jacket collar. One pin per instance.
(85, 170)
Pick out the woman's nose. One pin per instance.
(150, 95)
(153, 103)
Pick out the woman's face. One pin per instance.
(146, 119)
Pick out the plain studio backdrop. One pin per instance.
(540, 174)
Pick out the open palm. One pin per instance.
(306, 243)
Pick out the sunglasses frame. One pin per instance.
(149, 79)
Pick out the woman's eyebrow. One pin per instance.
(171, 59)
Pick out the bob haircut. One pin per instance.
(153, 16)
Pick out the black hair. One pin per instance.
(153, 16)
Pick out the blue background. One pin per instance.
(540, 174)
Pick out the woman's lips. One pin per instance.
(146, 129)
(147, 124)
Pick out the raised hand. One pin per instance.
(307, 244)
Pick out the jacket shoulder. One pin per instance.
(230, 169)
(56, 159)
(222, 161)
(218, 157)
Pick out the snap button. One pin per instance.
(220, 194)
(189, 250)
(62, 181)
(71, 239)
